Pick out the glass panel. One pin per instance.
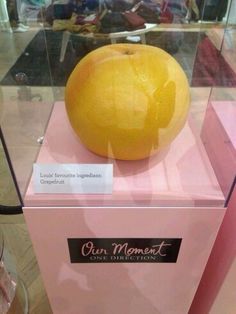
(8, 193)
(219, 121)
(1, 245)
(128, 107)
(13, 294)
(25, 104)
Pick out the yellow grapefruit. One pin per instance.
(127, 101)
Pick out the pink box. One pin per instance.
(172, 195)
(122, 288)
(222, 256)
(219, 137)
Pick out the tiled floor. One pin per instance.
(12, 45)
(23, 122)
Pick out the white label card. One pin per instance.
(73, 178)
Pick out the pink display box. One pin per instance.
(222, 256)
(179, 176)
(219, 138)
(147, 288)
(175, 194)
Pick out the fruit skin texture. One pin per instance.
(127, 101)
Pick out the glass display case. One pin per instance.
(124, 167)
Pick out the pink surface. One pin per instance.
(219, 137)
(226, 113)
(122, 288)
(221, 258)
(180, 176)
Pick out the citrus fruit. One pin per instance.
(127, 101)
